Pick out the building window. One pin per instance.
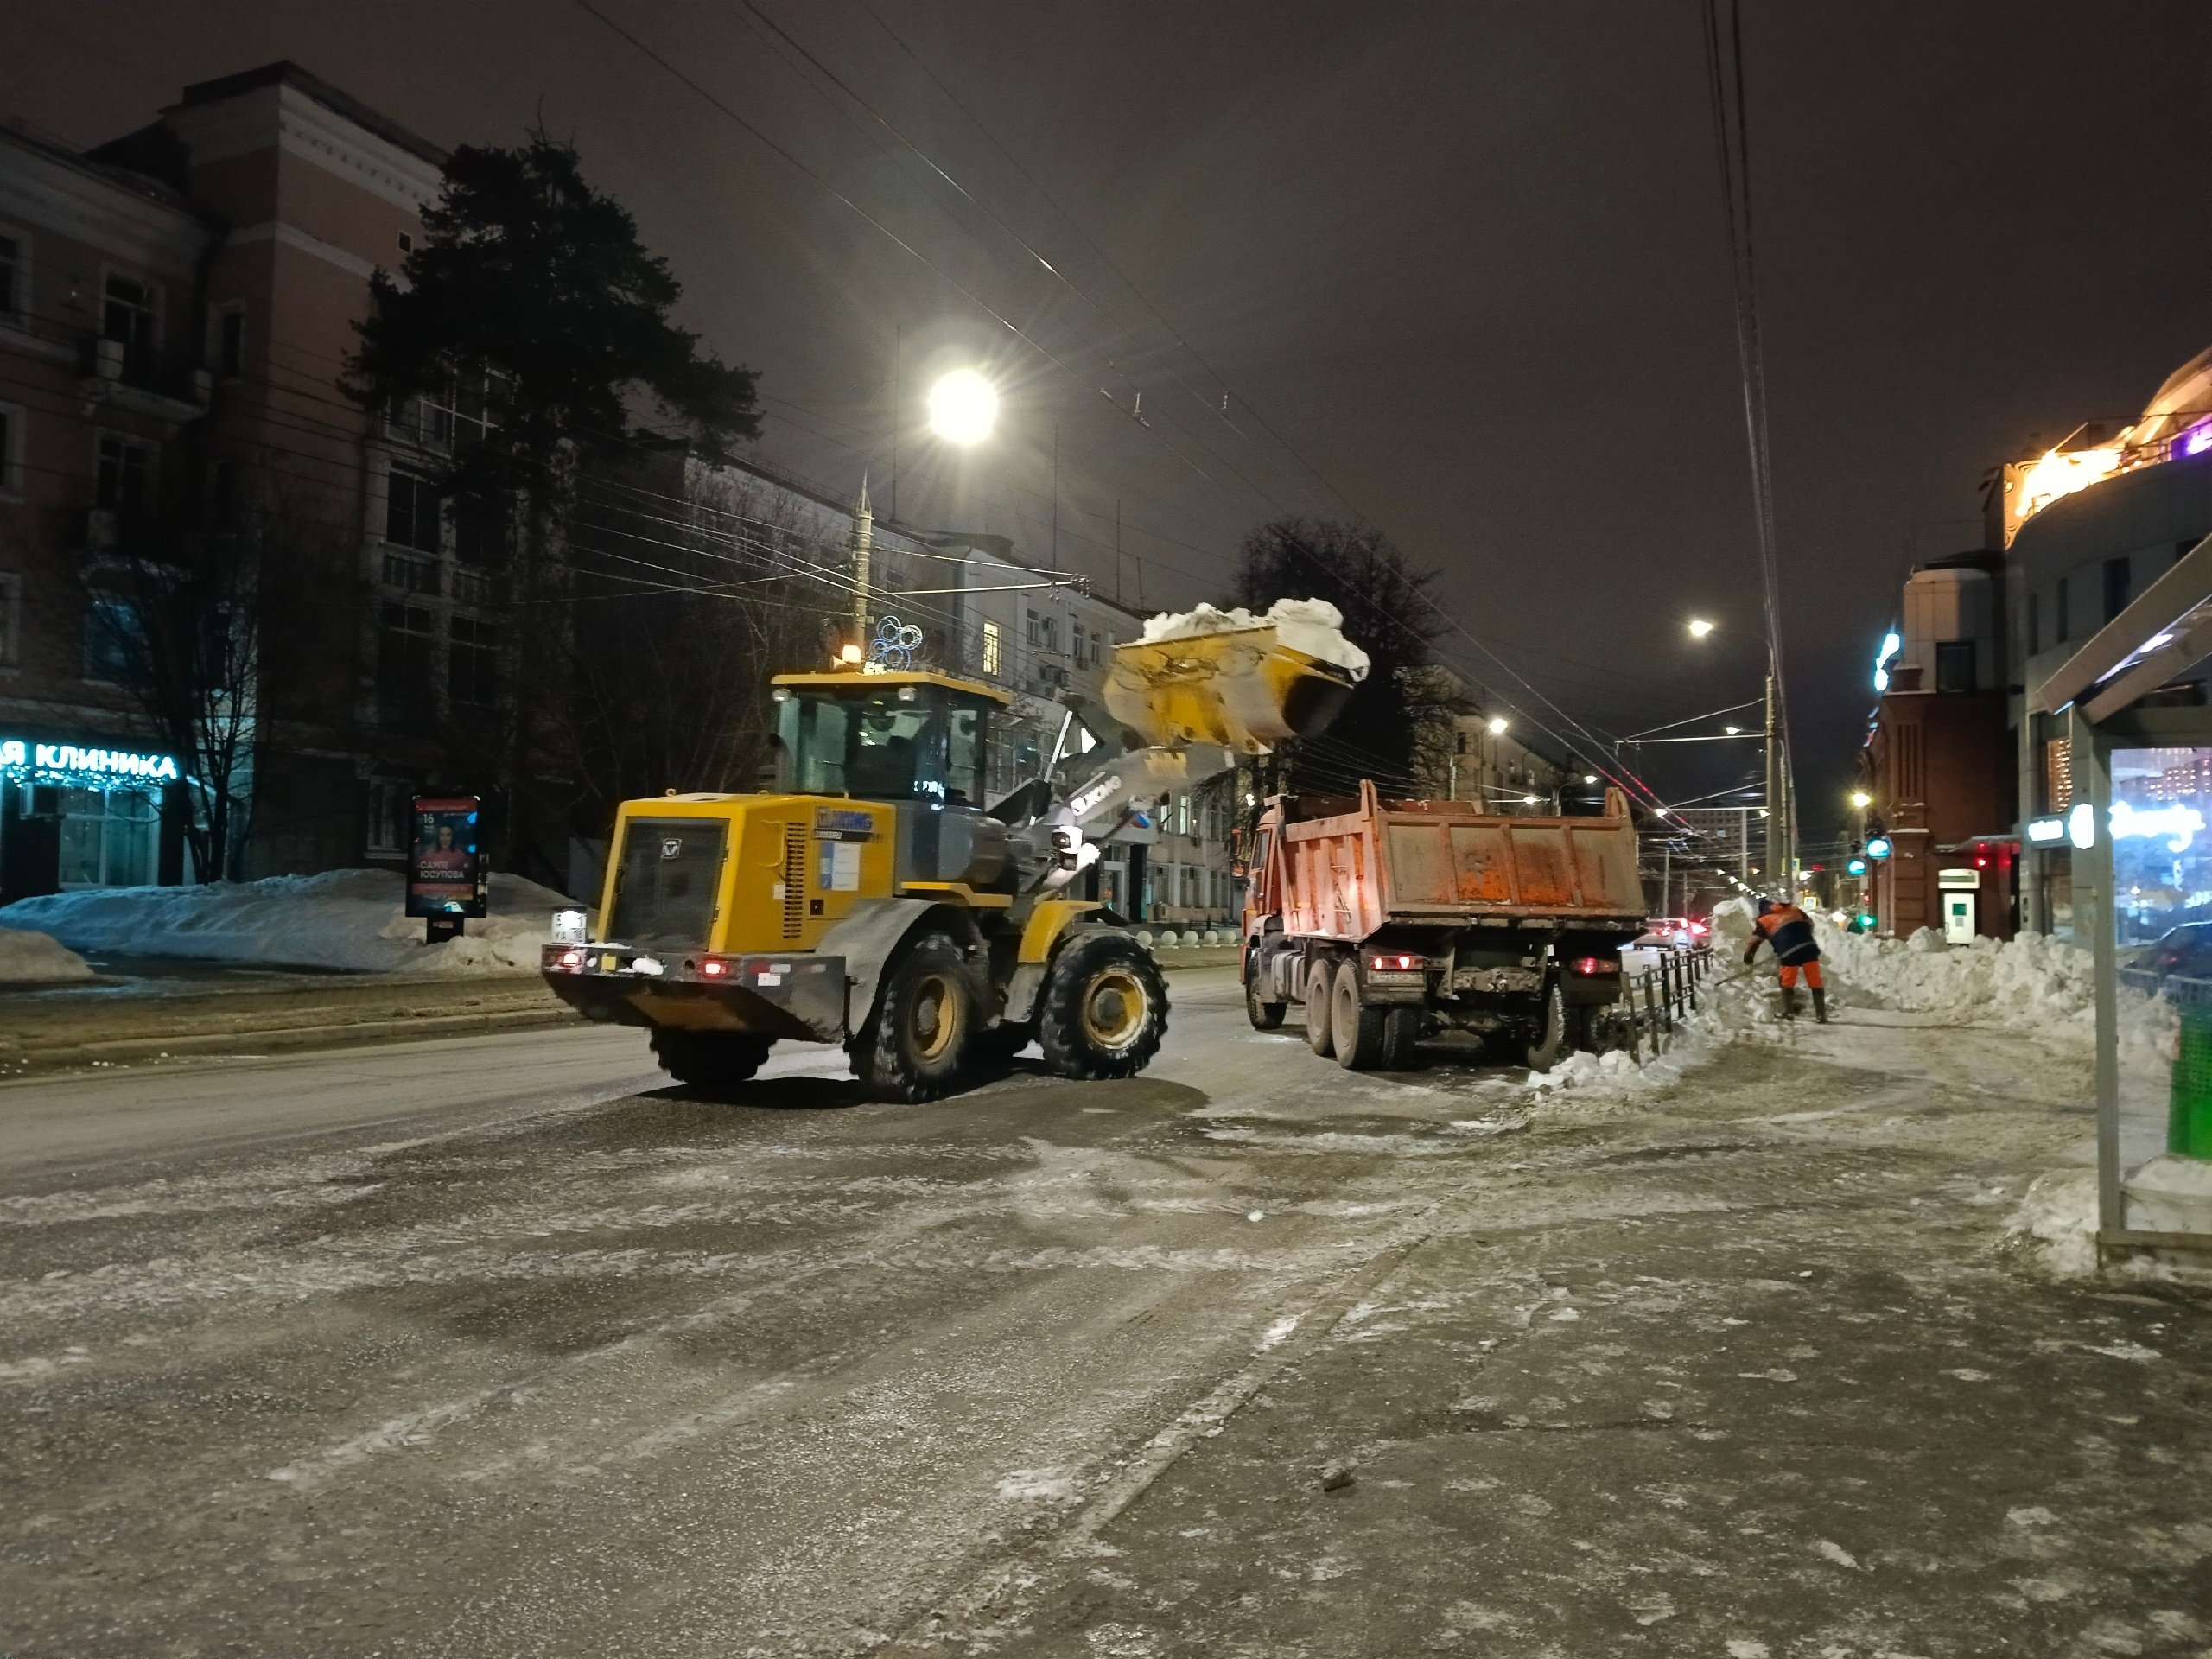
(391, 805)
(2119, 586)
(113, 638)
(11, 452)
(407, 667)
(127, 312)
(406, 243)
(410, 511)
(12, 618)
(479, 529)
(124, 482)
(1035, 636)
(15, 278)
(473, 668)
(107, 838)
(1078, 643)
(411, 575)
(991, 648)
(1955, 665)
(230, 339)
(1049, 633)
(2035, 623)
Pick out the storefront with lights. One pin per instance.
(80, 812)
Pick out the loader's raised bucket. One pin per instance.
(1244, 689)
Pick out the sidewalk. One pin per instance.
(1751, 1375)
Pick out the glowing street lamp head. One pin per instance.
(1860, 800)
(1589, 777)
(1497, 724)
(1699, 627)
(964, 407)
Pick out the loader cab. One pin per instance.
(884, 737)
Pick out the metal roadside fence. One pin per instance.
(1659, 996)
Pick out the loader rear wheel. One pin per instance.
(914, 1046)
(1555, 1038)
(1264, 1016)
(1103, 1009)
(1355, 1024)
(1321, 983)
(713, 1062)
(1402, 1039)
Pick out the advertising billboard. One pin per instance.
(445, 874)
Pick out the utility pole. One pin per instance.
(898, 351)
(1056, 499)
(863, 547)
(1776, 826)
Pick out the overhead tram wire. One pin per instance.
(1731, 136)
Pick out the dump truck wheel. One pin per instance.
(914, 1047)
(1556, 1041)
(710, 1061)
(1264, 1016)
(1402, 1039)
(1355, 1024)
(1320, 983)
(1103, 1009)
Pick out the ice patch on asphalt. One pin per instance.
(1026, 1486)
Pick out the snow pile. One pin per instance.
(2055, 1229)
(1312, 625)
(2055, 1226)
(345, 920)
(38, 959)
(1731, 1009)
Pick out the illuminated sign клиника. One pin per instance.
(78, 764)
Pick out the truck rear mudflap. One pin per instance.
(798, 995)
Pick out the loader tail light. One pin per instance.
(1392, 962)
(713, 968)
(1590, 967)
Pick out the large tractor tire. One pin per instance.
(713, 1062)
(914, 1046)
(1402, 1039)
(1555, 1037)
(1355, 1024)
(1263, 1015)
(1320, 984)
(1103, 1009)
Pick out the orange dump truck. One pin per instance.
(1394, 920)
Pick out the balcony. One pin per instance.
(118, 374)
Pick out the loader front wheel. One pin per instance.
(1104, 1008)
(713, 1062)
(1320, 984)
(913, 1048)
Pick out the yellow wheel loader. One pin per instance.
(874, 901)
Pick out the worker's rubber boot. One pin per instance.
(1821, 1004)
(1789, 1002)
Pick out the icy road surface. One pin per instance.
(498, 1347)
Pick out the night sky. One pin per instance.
(1467, 259)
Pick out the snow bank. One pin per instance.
(1731, 1009)
(38, 959)
(2055, 1229)
(1312, 625)
(345, 920)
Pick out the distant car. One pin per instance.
(1675, 933)
(2184, 952)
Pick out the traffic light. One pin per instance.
(1878, 846)
(1855, 866)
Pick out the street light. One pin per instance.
(1497, 724)
(964, 407)
(1589, 777)
(1860, 800)
(1699, 627)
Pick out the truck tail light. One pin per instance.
(713, 968)
(569, 962)
(1391, 962)
(1699, 929)
(1589, 967)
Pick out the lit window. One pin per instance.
(991, 648)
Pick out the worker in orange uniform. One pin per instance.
(1789, 930)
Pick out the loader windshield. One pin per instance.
(885, 742)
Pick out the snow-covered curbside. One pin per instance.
(27, 958)
(343, 920)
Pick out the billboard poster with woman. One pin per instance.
(445, 876)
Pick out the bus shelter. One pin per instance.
(2137, 740)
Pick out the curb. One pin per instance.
(121, 1050)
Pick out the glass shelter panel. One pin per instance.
(2161, 921)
